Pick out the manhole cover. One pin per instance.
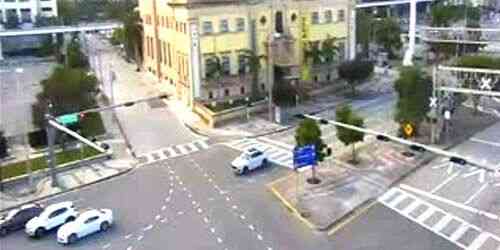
(156, 104)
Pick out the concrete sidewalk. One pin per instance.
(16, 194)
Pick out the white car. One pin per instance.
(51, 217)
(249, 160)
(87, 223)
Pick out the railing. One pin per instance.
(462, 35)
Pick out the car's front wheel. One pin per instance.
(72, 238)
(245, 170)
(39, 232)
(104, 226)
(3, 231)
(70, 219)
(264, 163)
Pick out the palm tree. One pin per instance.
(132, 30)
(215, 71)
(254, 65)
(330, 50)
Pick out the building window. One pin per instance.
(242, 64)
(226, 92)
(293, 17)
(341, 16)
(226, 65)
(26, 15)
(263, 86)
(240, 24)
(224, 26)
(328, 77)
(242, 90)
(315, 17)
(315, 78)
(46, 9)
(210, 95)
(207, 27)
(328, 16)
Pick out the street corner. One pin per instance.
(322, 206)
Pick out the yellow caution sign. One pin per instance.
(408, 129)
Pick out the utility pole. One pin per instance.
(51, 134)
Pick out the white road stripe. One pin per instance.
(411, 207)
(182, 148)
(202, 143)
(397, 200)
(476, 194)
(449, 202)
(479, 241)
(442, 184)
(425, 215)
(192, 147)
(387, 194)
(442, 223)
(459, 232)
(172, 152)
(495, 144)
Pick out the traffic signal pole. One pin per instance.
(52, 125)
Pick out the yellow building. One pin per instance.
(181, 36)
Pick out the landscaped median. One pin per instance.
(17, 169)
(344, 189)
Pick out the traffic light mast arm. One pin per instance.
(123, 104)
(76, 136)
(403, 141)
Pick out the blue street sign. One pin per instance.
(304, 156)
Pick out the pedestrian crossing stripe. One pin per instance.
(275, 154)
(420, 211)
(173, 151)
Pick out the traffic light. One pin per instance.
(417, 148)
(458, 160)
(383, 138)
(323, 121)
(300, 116)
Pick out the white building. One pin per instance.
(27, 10)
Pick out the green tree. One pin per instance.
(74, 56)
(118, 37)
(344, 114)
(67, 12)
(388, 35)
(3, 145)
(254, 64)
(132, 29)
(414, 90)
(309, 133)
(354, 72)
(364, 23)
(68, 89)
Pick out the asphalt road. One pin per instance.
(196, 202)
(382, 228)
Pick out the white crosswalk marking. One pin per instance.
(278, 153)
(457, 234)
(174, 151)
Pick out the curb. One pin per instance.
(292, 209)
(68, 190)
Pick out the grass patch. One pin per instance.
(221, 106)
(19, 168)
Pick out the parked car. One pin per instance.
(17, 218)
(51, 217)
(249, 160)
(87, 223)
